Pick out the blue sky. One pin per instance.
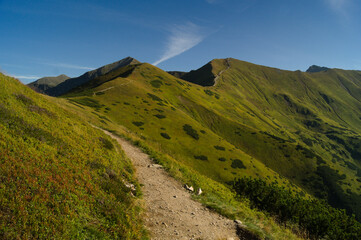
(48, 38)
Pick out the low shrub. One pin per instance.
(160, 116)
(106, 143)
(237, 163)
(320, 220)
(165, 135)
(138, 124)
(219, 148)
(156, 83)
(190, 131)
(201, 157)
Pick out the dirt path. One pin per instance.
(220, 73)
(104, 90)
(170, 211)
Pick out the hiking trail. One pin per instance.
(171, 213)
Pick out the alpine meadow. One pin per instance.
(181, 139)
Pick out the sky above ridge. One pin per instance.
(53, 37)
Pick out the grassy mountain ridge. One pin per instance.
(299, 129)
(69, 84)
(60, 178)
(43, 84)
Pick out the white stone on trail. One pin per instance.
(191, 189)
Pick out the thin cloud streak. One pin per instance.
(25, 77)
(65, 65)
(181, 39)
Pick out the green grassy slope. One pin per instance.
(152, 103)
(319, 111)
(59, 177)
(299, 129)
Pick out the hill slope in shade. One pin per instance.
(71, 83)
(42, 85)
(299, 129)
(59, 177)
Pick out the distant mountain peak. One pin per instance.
(72, 83)
(43, 84)
(315, 68)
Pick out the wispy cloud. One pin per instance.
(339, 6)
(65, 65)
(181, 39)
(25, 77)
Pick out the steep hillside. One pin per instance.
(156, 105)
(60, 178)
(42, 85)
(71, 83)
(295, 128)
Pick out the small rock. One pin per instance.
(157, 166)
(163, 223)
(238, 222)
(193, 213)
(189, 188)
(175, 196)
(199, 192)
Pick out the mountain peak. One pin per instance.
(72, 83)
(315, 68)
(112, 66)
(208, 74)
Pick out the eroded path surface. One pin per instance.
(170, 211)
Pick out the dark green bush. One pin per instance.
(106, 143)
(154, 97)
(190, 131)
(138, 124)
(160, 116)
(222, 159)
(209, 92)
(320, 220)
(159, 110)
(165, 135)
(219, 148)
(201, 157)
(237, 163)
(156, 83)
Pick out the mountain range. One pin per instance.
(228, 119)
(231, 118)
